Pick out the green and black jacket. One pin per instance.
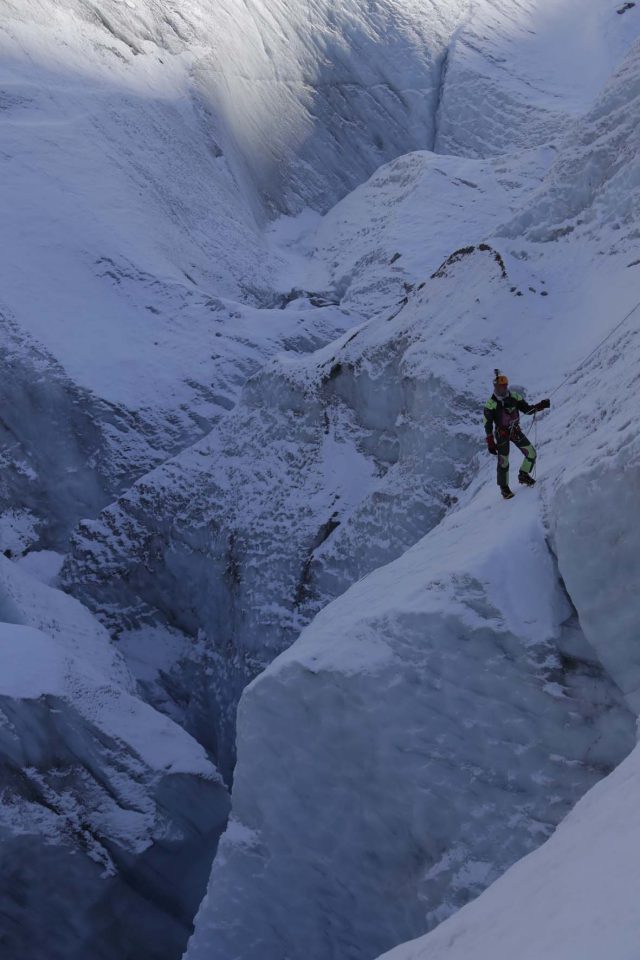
(502, 415)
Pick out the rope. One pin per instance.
(573, 372)
(535, 445)
(596, 348)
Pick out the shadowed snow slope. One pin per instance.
(127, 240)
(99, 793)
(301, 100)
(574, 899)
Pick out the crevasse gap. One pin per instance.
(255, 431)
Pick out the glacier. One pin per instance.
(261, 260)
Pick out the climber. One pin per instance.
(502, 426)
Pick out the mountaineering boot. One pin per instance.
(506, 493)
(526, 479)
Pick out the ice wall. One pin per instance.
(426, 730)
(100, 793)
(597, 548)
(75, 436)
(517, 75)
(594, 181)
(574, 899)
(296, 104)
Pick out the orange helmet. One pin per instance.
(500, 383)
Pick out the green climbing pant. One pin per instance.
(529, 451)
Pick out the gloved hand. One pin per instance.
(543, 405)
(491, 445)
